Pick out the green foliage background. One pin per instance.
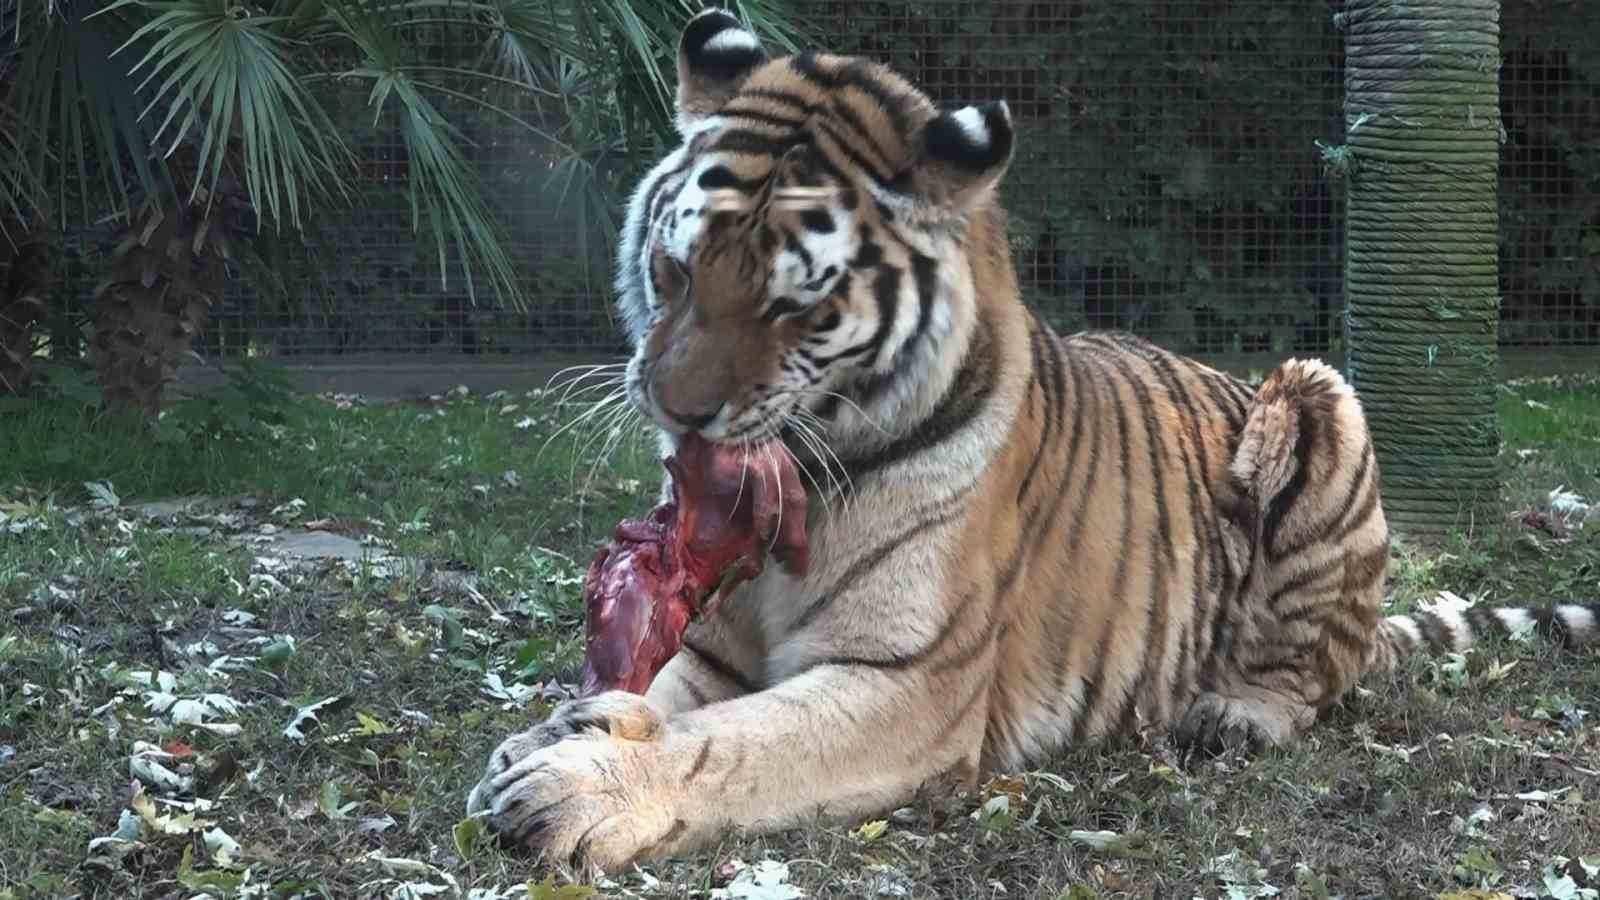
(1168, 180)
(1169, 177)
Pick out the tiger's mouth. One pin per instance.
(761, 432)
(784, 420)
(741, 420)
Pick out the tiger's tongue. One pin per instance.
(734, 506)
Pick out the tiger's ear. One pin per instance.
(964, 154)
(715, 55)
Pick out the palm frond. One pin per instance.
(442, 188)
(646, 32)
(775, 22)
(77, 112)
(609, 66)
(640, 40)
(231, 80)
(623, 49)
(525, 39)
(106, 99)
(21, 189)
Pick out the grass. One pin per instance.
(317, 726)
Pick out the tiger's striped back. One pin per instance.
(1130, 570)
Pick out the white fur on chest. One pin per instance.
(876, 584)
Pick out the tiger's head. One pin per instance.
(802, 254)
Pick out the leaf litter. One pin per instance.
(1551, 730)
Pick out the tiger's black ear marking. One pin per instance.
(965, 152)
(715, 55)
(974, 138)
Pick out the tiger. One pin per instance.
(1027, 540)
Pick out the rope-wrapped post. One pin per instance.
(1422, 113)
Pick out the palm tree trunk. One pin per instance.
(25, 277)
(166, 273)
(1422, 109)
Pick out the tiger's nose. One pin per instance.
(692, 421)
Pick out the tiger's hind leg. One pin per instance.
(1301, 627)
(1313, 633)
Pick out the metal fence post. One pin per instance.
(1422, 118)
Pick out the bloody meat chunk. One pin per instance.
(730, 507)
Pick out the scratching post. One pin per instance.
(1422, 118)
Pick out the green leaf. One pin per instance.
(533, 655)
(547, 890)
(870, 831)
(102, 495)
(216, 881)
(466, 834)
(329, 801)
(77, 112)
(1477, 866)
(65, 819)
(1133, 845)
(367, 725)
(449, 626)
(276, 654)
(996, 814)
(21, 187)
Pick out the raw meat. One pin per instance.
(730, 508)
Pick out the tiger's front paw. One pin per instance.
(617, 713)
(587, 784)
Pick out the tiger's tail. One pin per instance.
(1301, 412)
(1446, 630)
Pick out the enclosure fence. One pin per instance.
(1169, 180)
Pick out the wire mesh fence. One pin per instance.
(1168, 181)
(1550, 173)
(364, 281)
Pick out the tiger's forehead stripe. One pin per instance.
(858, 112)
(860, 115)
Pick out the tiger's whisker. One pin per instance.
(584, 373)
(622, 425)
(594, 409)
(744, 471)
(803, 434)
(778, 528)
(607, 427)
(596, 381)
(809, 392)
(599, 408)
(819, 430)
